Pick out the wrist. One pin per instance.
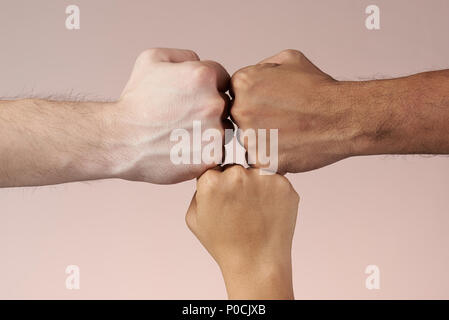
(117, 142)
(374, 117)
(259, 280)
(102, 149)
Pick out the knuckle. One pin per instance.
(282, 182)
(291, 53)
(192, 54)
(236, 174)
(240, 112)
(149, 54)
(216, 105)
(203, 74)
(235, 112)
(188, 220)
(296, 196)
(208, 181)
(240, 80)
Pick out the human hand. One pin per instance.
(287, 92)
(168, 90)
(246, 221)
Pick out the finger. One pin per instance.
(285, 57)
(171, 55)
(232, 86)
(231, 165)
(243, 69)
(273, 59)
(293, 57)
(214, 170)
(232, 117)
(222, 76)
(267, 65)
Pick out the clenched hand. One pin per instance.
(246, 221)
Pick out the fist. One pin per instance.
(244, 219)
(169, 90)
(287, 92)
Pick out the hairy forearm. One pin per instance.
(407, 115)
(48, 142)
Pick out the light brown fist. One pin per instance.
(244, 218)
(287, 92)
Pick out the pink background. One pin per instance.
(130, 239)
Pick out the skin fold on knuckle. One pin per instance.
(150, 54)
(236, 176)
(208, 183)
(203, 75)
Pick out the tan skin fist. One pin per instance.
(287, 92)
(246, 222)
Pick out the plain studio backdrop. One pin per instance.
(130, 240)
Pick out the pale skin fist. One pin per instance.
(246, 222)
(168, 89)
(287, 92)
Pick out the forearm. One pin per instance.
(407, 115)
(272, 281)
(49, 142)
